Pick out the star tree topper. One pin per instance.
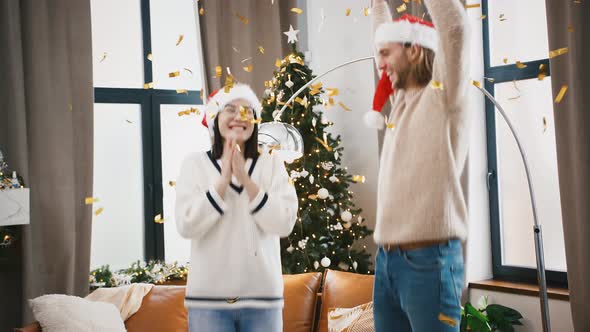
(292, 34)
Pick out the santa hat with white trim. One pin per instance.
(406, 29)
(218, 99)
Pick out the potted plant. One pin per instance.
(489, 317)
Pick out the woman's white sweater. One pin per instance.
(235, 250)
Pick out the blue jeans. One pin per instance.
(235, 320)
(419, 290)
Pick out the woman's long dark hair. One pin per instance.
(251, 145)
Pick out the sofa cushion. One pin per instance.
(300, 301)
(344, 290)
(162, 309)
(357, 319)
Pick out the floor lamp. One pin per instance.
(289, 139)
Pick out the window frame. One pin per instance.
(503, 74)
(150, 101)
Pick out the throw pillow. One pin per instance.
(357, 319)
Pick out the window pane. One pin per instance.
(527, 113)
(169, 20)
(117, 48)
(181, 135)
(118, 232)
(520, 34)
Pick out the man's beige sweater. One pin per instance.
(420, 196)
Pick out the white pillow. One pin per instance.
(65, 313)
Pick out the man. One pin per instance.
(421, 207)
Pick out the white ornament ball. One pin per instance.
(330, 212)
(355, 265)
(316, 264)
(326, 262)
(346, 216)
(311, 179)
(323, 193)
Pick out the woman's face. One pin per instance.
(235, 121)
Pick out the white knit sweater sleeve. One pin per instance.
(198, 207)
(275, 210)
(451, 62)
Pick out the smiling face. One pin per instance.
(393, 59)
(235, 121)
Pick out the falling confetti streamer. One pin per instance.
(561, 94)
(255, 121)
(174, 74)
(344, 107)
(180, 38)
(502, 18)
(545, 124)
(390, 125)
(505, 60)
(437, 85)
(188, 71)
(483, 17)
(150, 57)
(242, 18)
(149, 85)
(297, 10)
(261, 49)
(218, 71)
(558, 52)
(366, 11)
(104, 56)
(246, 59)
(358, 178)
(324, 144)
(202, 11)
(249, 68)
(402, 8)
(98, 211)
(90, 200)
(179, 91)
(542, 72)
(476, 83)
(277, 63)
(475, 5)
(332, 92)
(348, 10)
(172, 183)
(158, 219)
(520, 65)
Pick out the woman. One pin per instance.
(234, 205)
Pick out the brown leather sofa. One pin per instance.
(305, 310)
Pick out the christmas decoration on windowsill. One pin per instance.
(328, 223)
(152, 272)
(9, 180)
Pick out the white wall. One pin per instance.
(340, 39)
(529, 306)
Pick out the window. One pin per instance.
(139, 137)
(515, 49)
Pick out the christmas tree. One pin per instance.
(328, 223)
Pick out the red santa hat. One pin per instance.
(406, 29)
(218, 99)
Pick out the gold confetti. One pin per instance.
(331, 101)
(514, 98)
(90, 200)
(98, 211)
(402, 8)
(505, 60)
(235, 49)
(291, 182)
(476, 84)
(238, 148)
(202, 11)
(174, 74)
(195, 110)
(358, 179)
(218, 71)
(229, 83)
(437, 85)
(348, 10)
(545, 124)
(261, 49)
(243, 113)
(180, 38)
(150, 57)
(502, 18)
(242, 18)
(570, 28)
(179, 91)
(475, 5)
(277, 63)
(104, 56)
(297, 10)
(158, 219)
(172, 183)
(490, 79)
(366, 11)
(255, 121)
(249, 68)
(542, 72)
(483, 17)
(558, 52)
(390, 125)
(561, 94)
(324, 144)
(447, 320)
(149, 85)
(344, 106)
(332, 92)
(520, 65)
